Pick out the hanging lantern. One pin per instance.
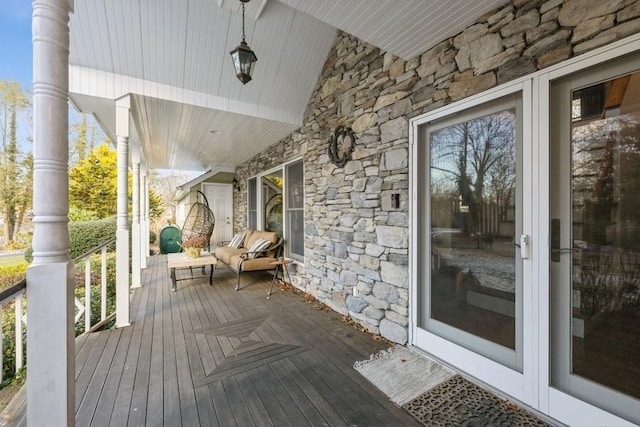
(242, 56)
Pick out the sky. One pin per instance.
(16, 53)
(15, 42)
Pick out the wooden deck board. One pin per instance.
(221, 404)
(89, 401)
(186, 392)
(258, 390)
(172, 415)
(155, 396)
(106, 403)
(138, 406)
(280, 394)
(308, 407)
(209, 355)
(239, 408)
(122, 404)
(83, 378)
(206, 412)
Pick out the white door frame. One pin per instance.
(516, 384)
(552, 401)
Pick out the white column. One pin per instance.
(144, 223)
(50, 337)
(136, 249)
(122, 230)
(147, 216)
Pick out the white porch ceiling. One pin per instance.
(173, 57)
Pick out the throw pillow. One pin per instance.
(259, 245)
(237, 240)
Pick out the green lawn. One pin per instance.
(11, 260)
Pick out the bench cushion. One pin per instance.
(255, 264)
(224, 253)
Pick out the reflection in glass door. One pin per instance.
(595, 238)
(474, 295)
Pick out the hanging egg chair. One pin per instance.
(200, 220)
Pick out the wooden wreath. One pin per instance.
(341, 145)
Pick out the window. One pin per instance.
(276, 203)
(294, 187)
(252, 220)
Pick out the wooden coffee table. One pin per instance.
(181, 260)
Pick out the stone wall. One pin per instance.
(354, 237)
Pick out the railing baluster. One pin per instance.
(87, 293)
(1, 345)
(19, 351)
(103, 284)
(17, 293)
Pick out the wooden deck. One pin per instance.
(208, 355)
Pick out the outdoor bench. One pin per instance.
(243, 258)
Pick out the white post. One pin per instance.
(50, 340)
(144, 226)
(18, 326)
(122, 231)
(87, 293)
(136, 249)
(147, 218)
(103, 284)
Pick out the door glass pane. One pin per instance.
(272, 186)
(605, 197)
(294, 238)
(473, 226)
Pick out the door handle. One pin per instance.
(556, 250)
(523, 245)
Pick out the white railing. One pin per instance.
(16, 296)
(84, 309)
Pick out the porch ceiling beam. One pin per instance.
(102, 84)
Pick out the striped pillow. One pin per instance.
(237, 240)
(259, 245)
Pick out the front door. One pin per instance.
(220, 198)
(472, 240)
(595, 239)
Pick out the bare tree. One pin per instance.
(84, 137)
(13, 101)
(475, 160)
(166, 186)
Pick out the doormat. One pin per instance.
(402, 374)
(459, 402)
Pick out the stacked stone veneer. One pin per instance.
(354, 237)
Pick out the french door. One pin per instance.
(595, 240)
(526, 237)
(473, 220)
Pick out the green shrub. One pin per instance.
(85, 235)
(153, 237)
(78, 214)
(10, 274)
(95, 288)
(9, 343)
